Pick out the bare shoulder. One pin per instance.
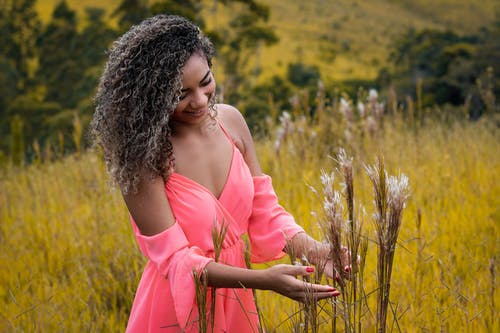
(231, 116)
(234, 123)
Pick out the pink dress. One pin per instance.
(165, 300)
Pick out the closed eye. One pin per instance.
(206, 82)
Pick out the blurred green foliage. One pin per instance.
(452, 69)
(49, 71)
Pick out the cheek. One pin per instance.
(181, 106)
(211, 88)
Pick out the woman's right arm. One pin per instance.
(279, 278)
(149, 207)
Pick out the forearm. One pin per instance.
(224, 276)
(280, 278)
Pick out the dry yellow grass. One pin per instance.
(443, 278)
(70, 263)
(67, 254)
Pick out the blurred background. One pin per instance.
(52, 53)
(412, 82)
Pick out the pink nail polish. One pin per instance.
(309, 269)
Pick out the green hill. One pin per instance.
(359, 32)
(347, 39)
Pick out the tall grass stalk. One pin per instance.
(493, 267)
(339, 231)
(248, 263)
(309, 307)
(391, 194)
(419, 260)
(218, 236)
(17, 141)
(307, 318)
(300, 318)
(201, 288)
(77, 134)
(353, 230)
(201, 280)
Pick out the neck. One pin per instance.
(203, 128)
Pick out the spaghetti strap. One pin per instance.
(225, 132)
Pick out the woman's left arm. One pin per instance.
(301, 244)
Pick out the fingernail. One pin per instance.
(334, 292)
(309, 269)
(347, 269)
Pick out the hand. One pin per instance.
(282, 279)
(346, 271)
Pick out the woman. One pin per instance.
(185, 165)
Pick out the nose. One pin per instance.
(199, 100)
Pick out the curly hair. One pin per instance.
(138, 92)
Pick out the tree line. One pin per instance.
(49, 72)
(446, 68)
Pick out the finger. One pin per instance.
(347, 274)
(350, 270)
(329, 294)
(300, 270)
(318, 288)
(309, 297)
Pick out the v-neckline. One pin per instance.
(228, 177)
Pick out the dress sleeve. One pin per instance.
(270, 225)
(175, 260)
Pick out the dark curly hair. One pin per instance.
(138, 92)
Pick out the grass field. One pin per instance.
(70, 263)
(445, 271)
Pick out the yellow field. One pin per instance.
(445, 272)
(69, 261)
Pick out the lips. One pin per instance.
(196, 113)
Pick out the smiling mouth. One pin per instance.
(196, 113)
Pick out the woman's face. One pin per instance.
(198, 85)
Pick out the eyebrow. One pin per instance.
(203, 79)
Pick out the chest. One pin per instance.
(196, 209)
(206, 161)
